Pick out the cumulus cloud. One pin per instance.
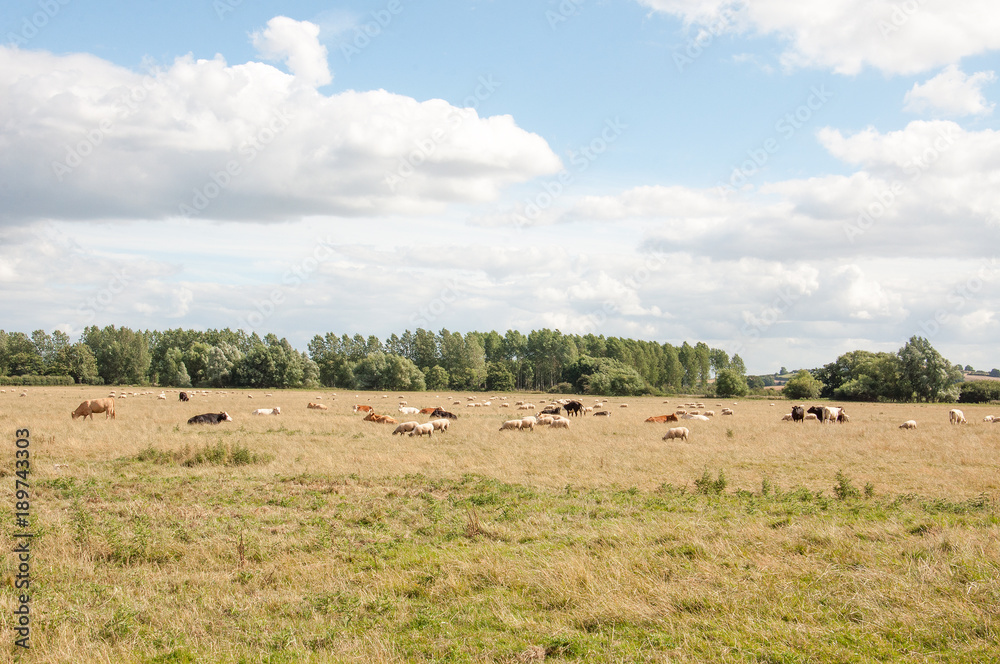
(848, 35)
(297, 44)
(951, 93)
(85, 139)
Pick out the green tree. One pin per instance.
(499, 378)
(803, 385)
(925, 375)
(730, 383)
(436, 378)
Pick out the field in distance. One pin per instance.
(316, 536)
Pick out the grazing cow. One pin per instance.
(956, 416)
(510, 424)
(676, 432)
(267, 411)
(908, 424)
(440, 425)
(210, 418)
(183, 396)
(798, 413)
(827, 413)
(439, 412)
(405, 427)
(317, 406)
(91, 406)
(362, 408)
(602, 413)
(672, 417)
(422, 429)
(573, 407)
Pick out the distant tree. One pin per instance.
(802, 386)
(782, 371)
(436, 378)
(730, 383)
(968, 368)
(499, 378)
(737, 364)
(925, 375)
(995, 373)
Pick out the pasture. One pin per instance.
(313, 536)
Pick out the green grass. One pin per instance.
(310, 568)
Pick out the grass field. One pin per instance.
(313, 536)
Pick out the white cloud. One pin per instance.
(951, 93)
(297, 44)
(85, 139)
(848, 35)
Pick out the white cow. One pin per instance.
(267, 411)
(408, 410)
(956, 416)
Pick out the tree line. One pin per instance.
(917, 372)
(542, 360)
(419, 360)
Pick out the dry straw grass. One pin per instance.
(314, 536)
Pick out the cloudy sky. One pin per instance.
(783, 179)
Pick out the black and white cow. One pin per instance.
(210, 418)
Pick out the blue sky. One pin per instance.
(581, 191)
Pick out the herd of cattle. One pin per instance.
(549, 415)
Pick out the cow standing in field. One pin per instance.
(798, 413)
(183, 396)
(91, 406)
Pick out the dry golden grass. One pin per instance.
(316, 536)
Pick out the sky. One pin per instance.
(780, 179)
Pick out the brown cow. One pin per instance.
(91, 406)
(363, 408)
(672, 417)
(317, 406)
(428, 411)
(379, 419)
